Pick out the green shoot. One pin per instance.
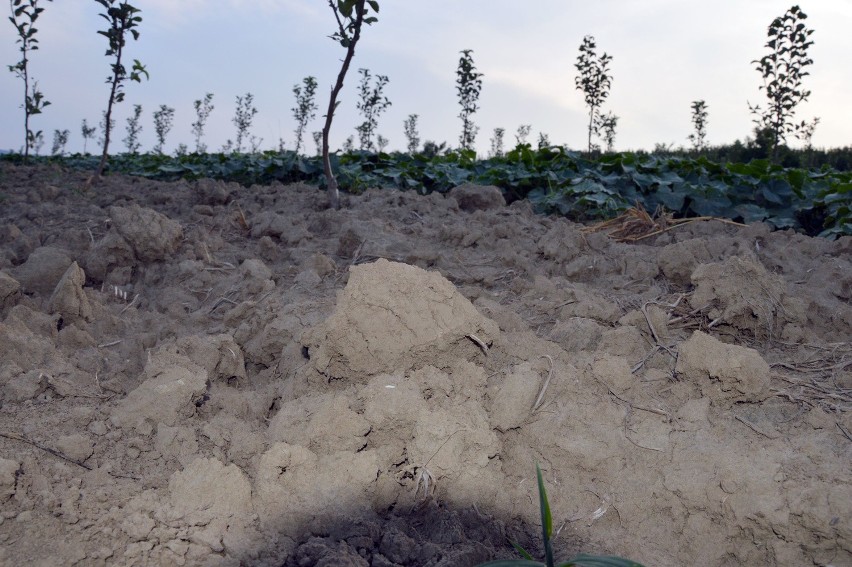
(581, 560)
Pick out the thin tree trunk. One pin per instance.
(108, 117)
(333, 193)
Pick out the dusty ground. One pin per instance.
(207, 374)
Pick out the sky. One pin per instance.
(665, 55)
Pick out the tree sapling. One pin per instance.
(594, 80)
(134, 128)
(122, 19)
(522, 133)
(88, 132)
(411, 134)
(497, 142)
(306, 107)
(468, 85)
(699, 120)
(783, 70)
(203, 108)
(350, 16)
(60, 139)
(243, 117)
(163, 120)
(371, 105)
(24, 16)
(605, 125)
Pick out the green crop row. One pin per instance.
(816, 202)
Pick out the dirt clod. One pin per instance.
(208, 374)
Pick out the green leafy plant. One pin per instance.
(163, 120)
(123, 19)
(350, 16)
(305, 109)
(783, 71)
(134, 128)
(581, 560)
(699, 120)
(24, 16)
(371, 105)
(411, 134)
(594, 80)
(88, 132)
(468, 85)
(203, 108)
(543, 140)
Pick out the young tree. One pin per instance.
(806, 132)
(243, 117)
(411, 134)
(522, 133)
(593, 79)
(87, 133)
(783, 70)
(163, 120)
(203, 108)
(372, 104)
(318, 141)
(350, 16)
(381, 142)
(699, 120)
(468, 85)
(60, 139)
(134, 128)
(122, 19)
(605, 128)
(543, 140)
(497, 142)
(348, 145)
(24, 16)
(305, 109)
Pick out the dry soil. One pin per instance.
(198, 373)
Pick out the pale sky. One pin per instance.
(666, 54)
